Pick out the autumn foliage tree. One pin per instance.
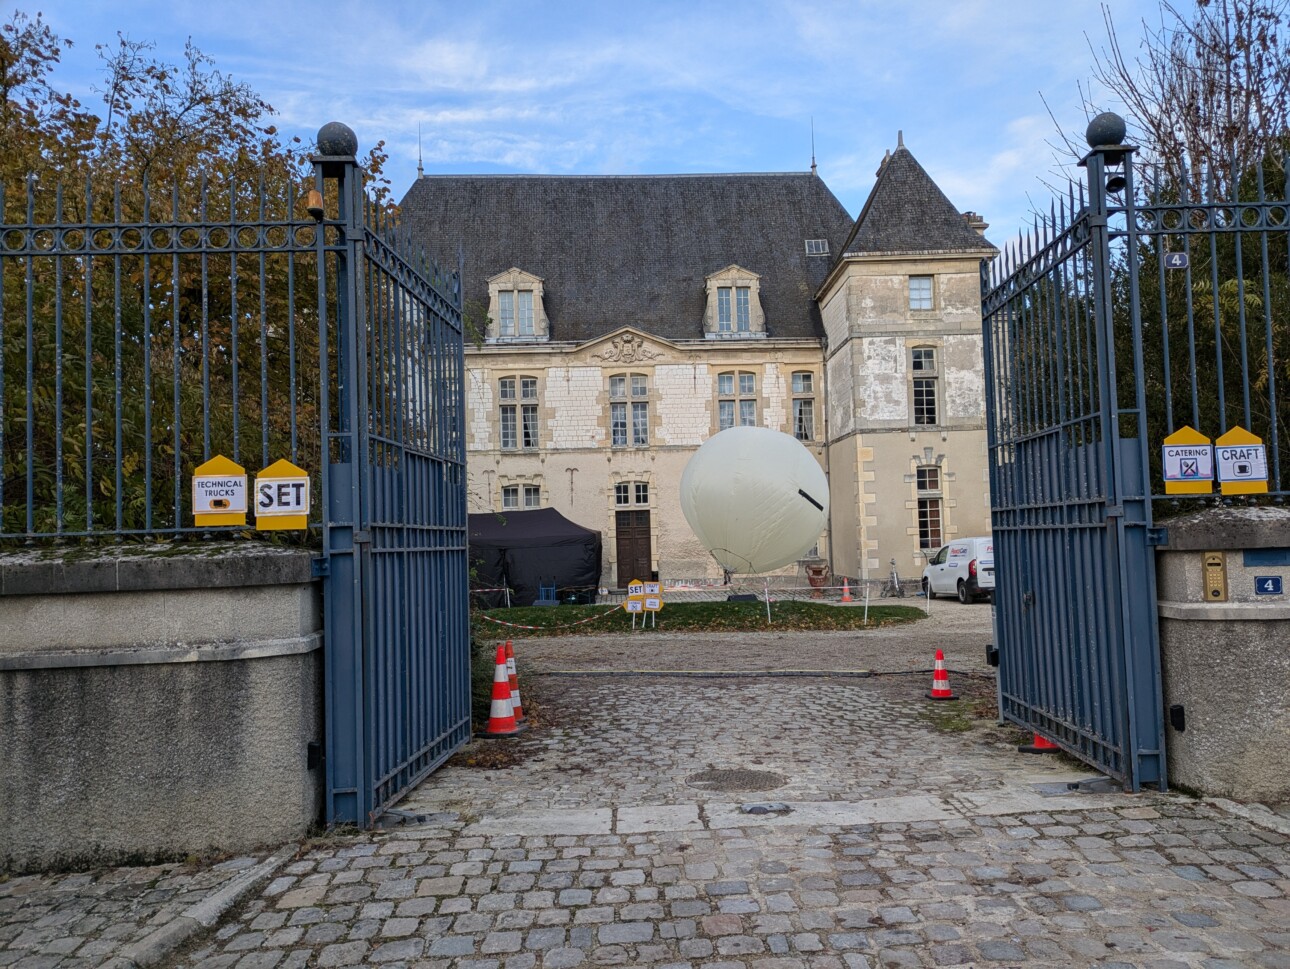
(169, 311)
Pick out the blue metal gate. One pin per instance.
(1069, 476)
(394, 544)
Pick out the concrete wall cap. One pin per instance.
(152, 567)
(1229, 528)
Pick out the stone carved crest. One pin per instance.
(627, 348)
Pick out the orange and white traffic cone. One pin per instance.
(846, 591)
(941, 681)
(501, 716)
(1041, 745)
(516, 706)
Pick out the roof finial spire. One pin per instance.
(813, 171)
(900, 138)
(420, 170)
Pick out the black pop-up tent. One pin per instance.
(528, 549)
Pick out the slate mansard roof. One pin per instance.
(619, 250)
(908, 212)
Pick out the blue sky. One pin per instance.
(616, 88)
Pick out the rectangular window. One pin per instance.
(618, 424)
(622, 494)
(528, 388)
(747, 384)
(532, 496)
(640, 425)
(508, 426)
(923, 359)
(803, 383)
(804, 420)
(511, 496)
(618, 387)
(640, 385)
(929, 523)
(747, 413)
(817, 247)
(725, 414)
(506, 388)
(726, 384)
(924, 400)
(526, 313)
(642, 493)
(723, 309)
(506, 312)
(920, 292)
(743, 318)
(529, 420)
(929, 479)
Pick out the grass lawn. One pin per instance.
(693, 617)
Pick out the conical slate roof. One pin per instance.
(613, 250)
(907, 212)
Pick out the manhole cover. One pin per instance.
(735, 780)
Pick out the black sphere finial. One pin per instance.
(335, 138)
(1107, 128)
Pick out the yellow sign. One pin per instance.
(281, 497)
(1188, 460)
(1242, 463)
(219, 493)
(653, 603)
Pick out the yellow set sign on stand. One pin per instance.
(281, 497)
(643, 597)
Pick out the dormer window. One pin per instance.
(734, 305)
(515, 308)
(817, 247)
(741, 322)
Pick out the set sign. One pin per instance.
(1240, 458)
(280, 495)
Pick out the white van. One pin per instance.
(964, 567)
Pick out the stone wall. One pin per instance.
(1226, 664)
(156, 702)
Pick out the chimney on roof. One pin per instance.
(976, 222)
(900, 139)
(886, 157)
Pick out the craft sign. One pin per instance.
(219, 493)
(1242, 460)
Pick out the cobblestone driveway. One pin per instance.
(898, 832)
(895, 839)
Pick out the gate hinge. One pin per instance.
(320, 566)
(1157, 536)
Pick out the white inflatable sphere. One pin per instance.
(756, 498)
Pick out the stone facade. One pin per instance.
(628, 319)
(574, 463)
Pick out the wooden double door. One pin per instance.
(634, 561)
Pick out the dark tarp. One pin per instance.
(525, 549)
